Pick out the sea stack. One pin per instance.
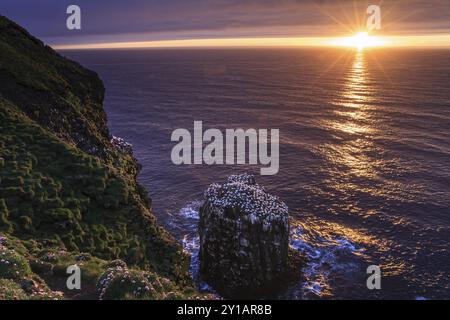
(244, 239)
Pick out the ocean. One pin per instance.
(364, 152)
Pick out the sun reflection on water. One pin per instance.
(354, 124)
(357, 89)
(354, 172)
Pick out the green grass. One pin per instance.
(63, 186)
(120, 283)
(9, 290)
(29, 264)
(13, 266)
(51, 190)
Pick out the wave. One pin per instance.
(328, 257)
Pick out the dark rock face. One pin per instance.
(244, 238)
(57, 93)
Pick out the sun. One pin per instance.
(360, 41)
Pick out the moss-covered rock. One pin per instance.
(121, 283)
(9, 290)
(17, 280)
(5, 224)
(13, 266)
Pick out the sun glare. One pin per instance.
(359, 41)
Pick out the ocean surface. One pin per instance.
(364, 152)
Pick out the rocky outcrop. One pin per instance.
(244, 237)
(121, 145)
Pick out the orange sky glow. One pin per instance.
(431, 41)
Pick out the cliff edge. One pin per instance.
(68, 195)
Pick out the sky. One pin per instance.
(120, 23)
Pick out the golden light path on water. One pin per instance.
(354, 157)
(359, 153)
(355, 121)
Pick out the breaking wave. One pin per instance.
(328, 257)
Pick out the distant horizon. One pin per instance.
(432, 42)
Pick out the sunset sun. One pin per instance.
(360, 41)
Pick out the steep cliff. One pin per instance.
(65, 189)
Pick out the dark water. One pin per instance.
(364, 154)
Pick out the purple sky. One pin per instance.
(143, 20)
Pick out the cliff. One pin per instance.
(67, 194)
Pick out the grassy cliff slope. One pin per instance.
(65, 190)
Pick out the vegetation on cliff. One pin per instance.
(65, 189)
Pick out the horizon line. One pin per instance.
(423, 41)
